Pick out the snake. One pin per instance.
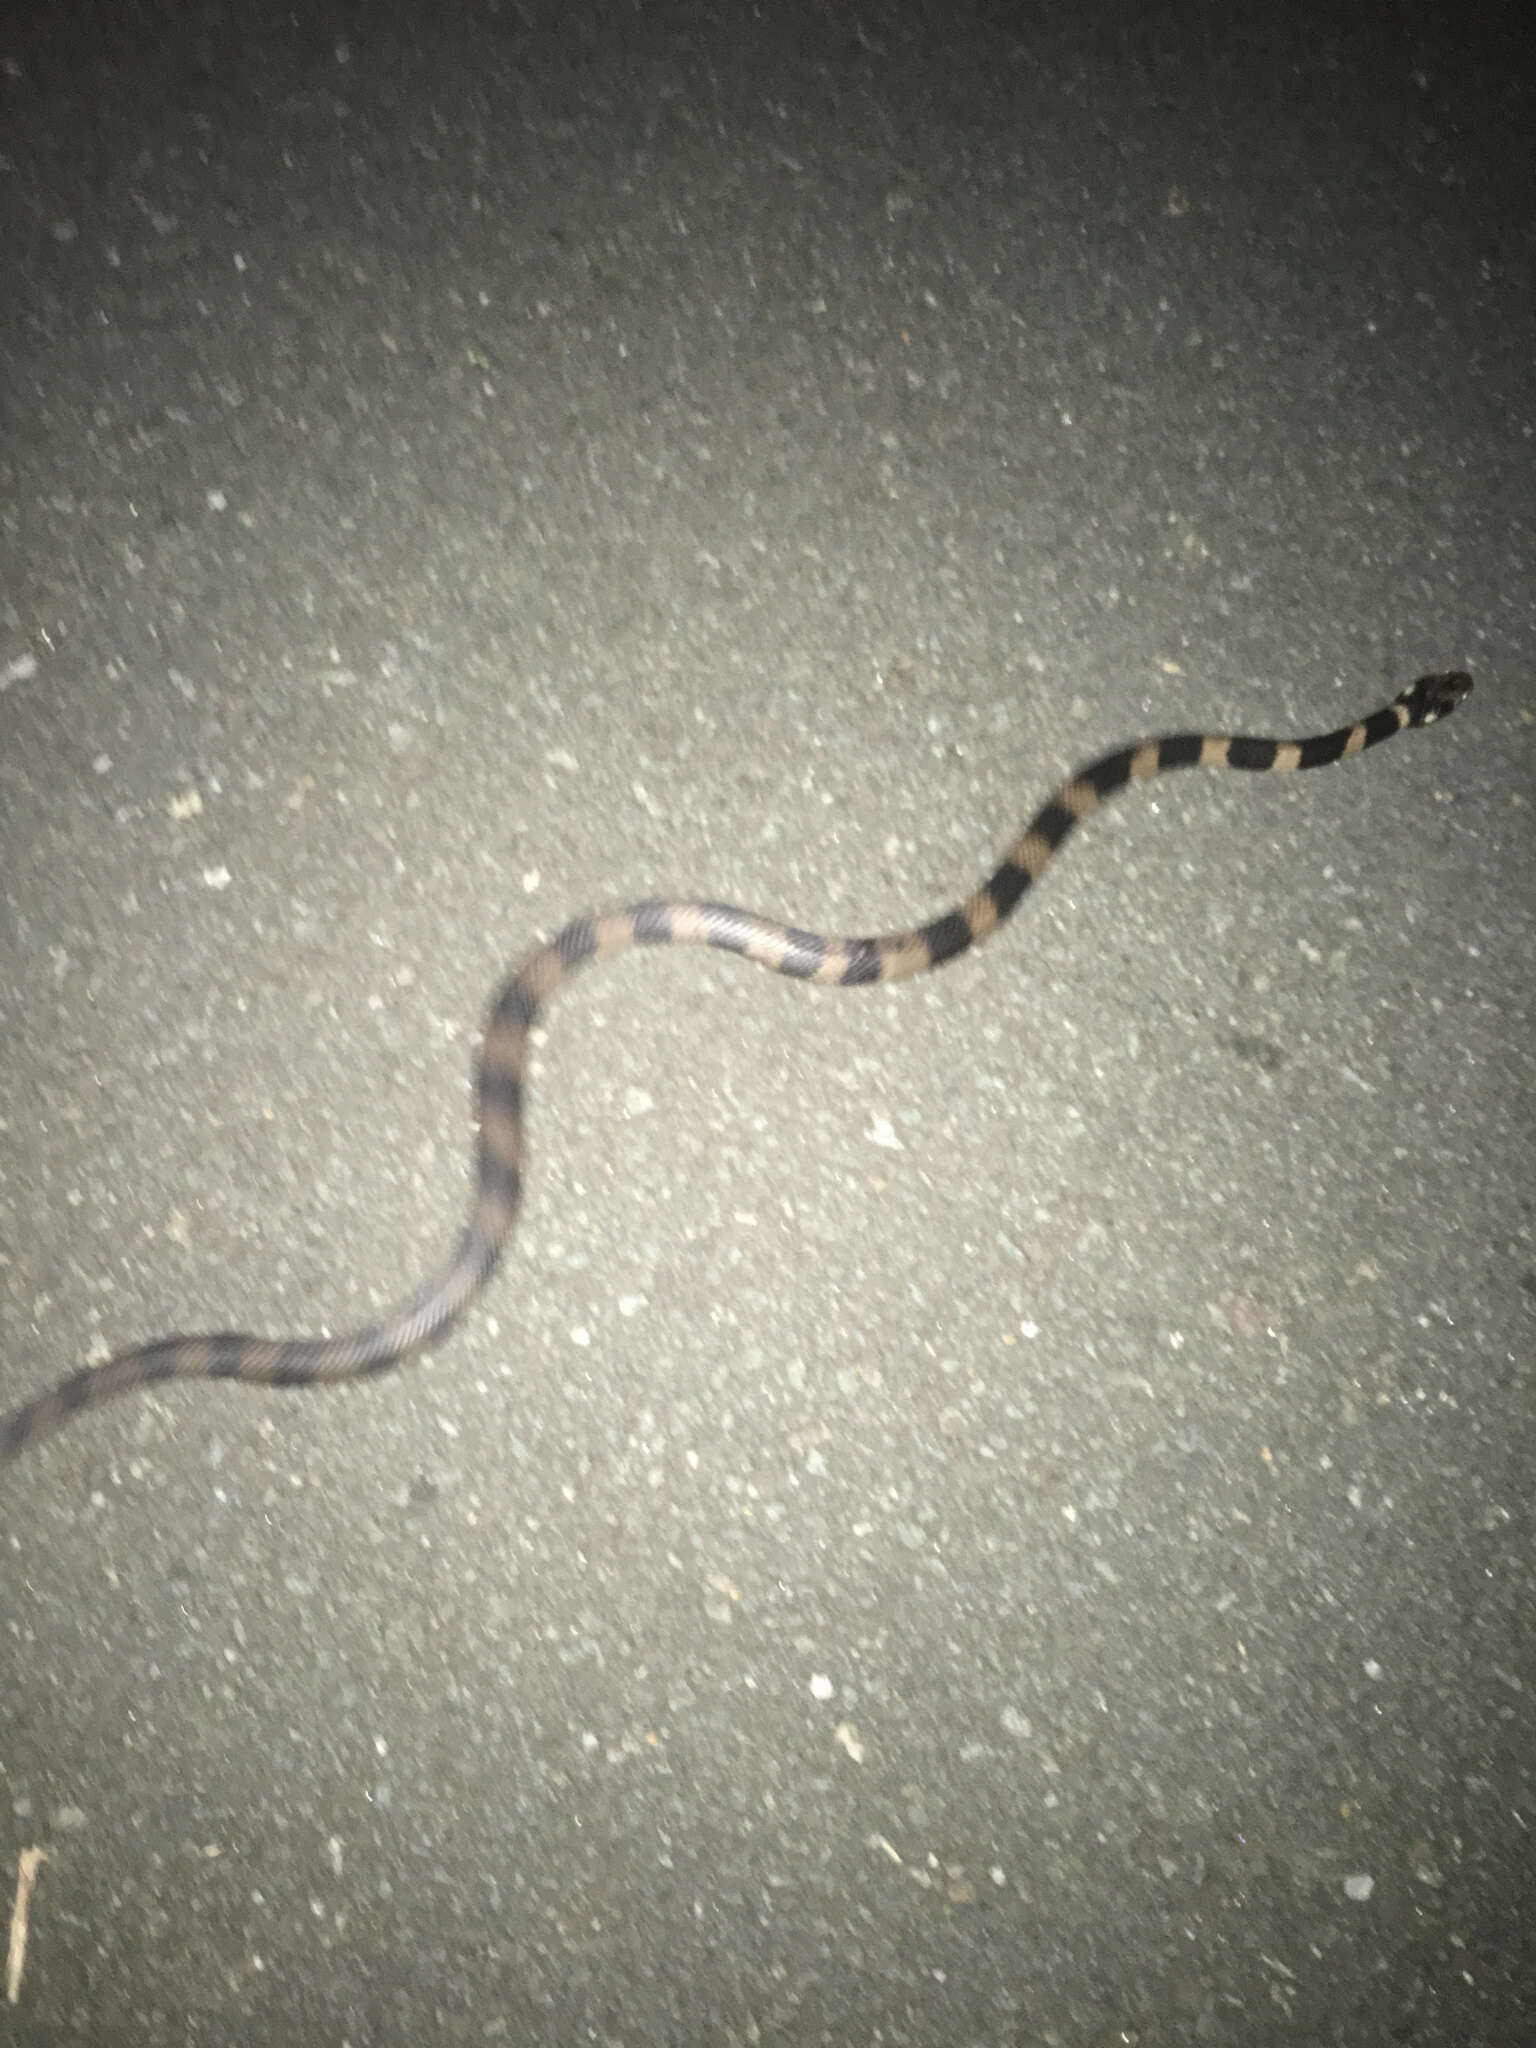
(435, 1306)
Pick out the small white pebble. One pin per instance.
(1359, 1887)
(821, 1686)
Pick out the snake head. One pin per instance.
(1436, 696)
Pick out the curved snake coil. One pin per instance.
(806, 956)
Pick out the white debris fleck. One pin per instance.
(217, 878)
(1029, 1329)
(721, 1597)
(581, 1336)
(1015, 1723)
(187, 803)
(216, 501)
(21, 670)
(631, 1304)
(846, 1734)
(27, 1865)
(821, 1686)
(880, 1132)
(637, 1102)
(1359, 1887)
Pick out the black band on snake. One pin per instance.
(806, 956)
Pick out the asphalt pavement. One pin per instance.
(990, 1513)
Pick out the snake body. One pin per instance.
(805, 956)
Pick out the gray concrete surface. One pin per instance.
(995, 1512)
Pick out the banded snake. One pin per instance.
(805, 956)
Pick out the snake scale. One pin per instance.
(805, 956)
